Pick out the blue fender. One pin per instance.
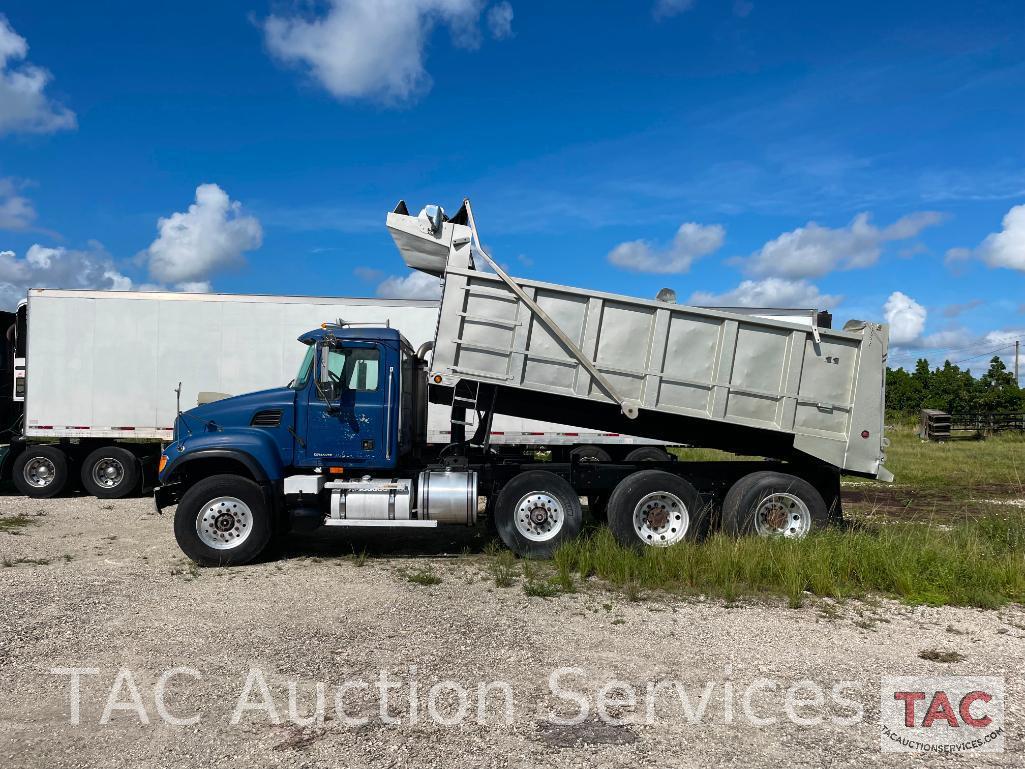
(253, 447)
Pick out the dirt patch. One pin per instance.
(590, 732)
(939, 505)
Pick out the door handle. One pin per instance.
(387, 415)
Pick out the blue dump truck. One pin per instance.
(344, 445)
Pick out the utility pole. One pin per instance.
(1017, 345)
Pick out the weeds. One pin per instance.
(359, 560)
(425, 577)
(972, 563)
(936, 655)
(13, 524)
(9, 562)
(184, 568)
(503, 569)
(537, 588)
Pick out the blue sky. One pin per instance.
(867, 158)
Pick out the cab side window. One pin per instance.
(350, 368)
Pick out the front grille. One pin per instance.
(269, 418)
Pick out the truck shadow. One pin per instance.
(432, 543)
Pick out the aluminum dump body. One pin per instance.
(750, 385)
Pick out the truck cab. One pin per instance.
(356, 408)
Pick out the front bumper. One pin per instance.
(165, 496)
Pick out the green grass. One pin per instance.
(425, 577)
(957, 466)
(540, 588)
(503, 568)
(973, 563)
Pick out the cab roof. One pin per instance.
(355, 334)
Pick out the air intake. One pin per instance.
(270, 418)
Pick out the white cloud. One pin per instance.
(1007, 247)
(212, 235)
(771, 292)
(44, 267)
(813, 251)
(415, 285)
(375, 48)
(500, 19)
(24, 105)
(16, 212)
(665, 8)
(906, 318)
(691, 242)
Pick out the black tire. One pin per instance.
(34, 465)
(124, 472)
(631, 492)
(590, 454)
(194, 504)
(743, 501)
(649, 454)
(514, 495)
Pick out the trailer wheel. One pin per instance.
(40, 471)
(110, 472)
(772, 504)
(649, 454)
(536, 512)
(655, 508)
(590, 454)
(222, 521)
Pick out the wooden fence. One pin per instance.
(939, 425)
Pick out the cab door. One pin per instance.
(347, 406)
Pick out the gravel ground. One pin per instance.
(102, 585)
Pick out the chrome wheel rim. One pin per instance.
(782, 515)
(39, 472)
(224, 523)
(539, 516)
(661, 519)
(108, 473)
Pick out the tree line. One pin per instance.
(952, 389)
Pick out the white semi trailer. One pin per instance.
(90, 379)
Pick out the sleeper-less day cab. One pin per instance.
(345, 444)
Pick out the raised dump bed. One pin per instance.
(717, 378)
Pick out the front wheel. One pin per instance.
(222, 521)
(536, 512)
(772, 504)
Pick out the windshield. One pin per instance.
(304, 368)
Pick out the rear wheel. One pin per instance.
(222, 521)
(772, 504)
(110, 472)
(536, 512)
(40, 471)
(656, 509)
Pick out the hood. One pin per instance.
(239, 410)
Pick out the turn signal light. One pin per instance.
(336, 470)
(163, 463)
(437, 379)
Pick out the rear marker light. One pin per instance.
(865, 433)
(437, 379)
